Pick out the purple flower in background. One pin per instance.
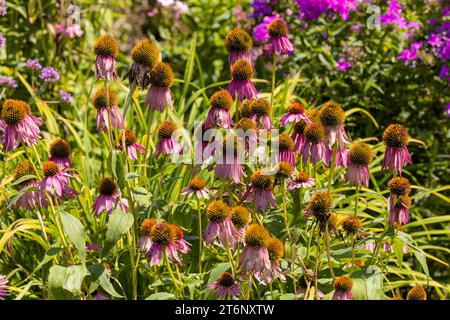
(393, 15)
(312, 9)
(7, 82)
(435, 40)
(342, 64)
(65, 96)
(260, 32)
(261, 8)
(432, 21)
(2, 7)
(33, 65)
(447, 110)
(49, 74)
(446, 11)
(444, 73)
(2, 41)
(410, 54)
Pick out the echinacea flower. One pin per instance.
(220, 226)
(254, 258)
(163, 237)
(399, 201)
(301, 180)
(29, 199)
(296, 113)
(197, 187)
(106, 200)
(275, 249)
(161, 79)
(332, 117)
(145, 240)
(319, 207)
(225, 285)
(181, 243)
(105, 101)
(219, 112)
(241, 86)
(245, 109)
(285, 149)
(314, 147)
(342, 288)
(395, 138)
(246, 129)
(60, 153)
(359, 158)
(166, 143)
(145, 55)
(298, 135)
(278, 38)
(260, 191)
(238, 44)
(241, 217)
(351, 224)
(261, 110)
(55, 182)
(228, 165)
(49, 74)
(284, 171)
(106, 50)
(17, 124)
(130, 144)
(3, 287)
(417, 293)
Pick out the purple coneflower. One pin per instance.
(241, 86)
(197, 187)
(106, 200)
(49, 74)
(417, 293)
(261, 110)
(240, 217)
(106, 104)
(220, 225)
(145, 240)
(284, 171)
(130, 144)
(260, 191)
(285, 149)
(60, 153)
(33, 65)
(182, 245)
(3, 287)
(228, 166)
(359, 158)
(106, 49)
(341, 158)
(166, 143)
(161, 79)
(296, 113)
(399, 201)
(55, 182)
(239, 44)
(332, 117)
(342, 288)
(145, 55)
(314, 147)
(276, 251)
(301, 180)
(226, 285)
(319, 207)
(219, 112)
(28, 200)
(249, 132)
(254, 258)
(298, 135)
(163, 237)
(397, 155)
(245, 109)
(278, 38)
(17, 124)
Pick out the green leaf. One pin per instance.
(101, 276)
(75, 231)
(116, 163)
(398, 251)
(119, 223)
(161, 296)
(64, 282)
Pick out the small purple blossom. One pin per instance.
(2, 41)
(342, 64)
(260, 31)
(411, 54)
(261, 8)
(8, 82)
(447, 110)
(33, 65)
(65, 96)
(49, 74)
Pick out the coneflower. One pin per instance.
(145, 55)
(319, 207)
(55, 182)
(106, 50)
(107, 199)
(245, 109)
(254, 258)
(163, 237)
(60, 153)
(228, 166)
(332, 117)
(284, 171)
(260, 191)
(417, 293)
(298, 135)
(241, 86)
(17, 124)
(131, 144)
(301, 180)
(314, 147)
(296, 113)
(278, 38)
(181, 243)
(166, 143)
(395, 138)
(249, 132)
(343, 288)
(359, 158)
(226, 285)
(399, 201)
(276, 251)
(261, 110)
(197, 187)
(239, 44)
(145, 240)
(285, 149)
(351, 224)
(28, 199)
(161, 79)
(106, 103)
(220, 226)
(241, 217)
(219, 112)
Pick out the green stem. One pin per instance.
(274, 64)
(356, 200)
(200, 237)
(175, 282)
(230, 258)
(333, 164)
(327, 247)
(286, 224)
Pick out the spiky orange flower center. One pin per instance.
(314, 133)
(12, 113)
(145, 52)
(146, 226)
(256, 236)
(246, 124)
(320, 203)
(261, 107)
(299, 127)
(197, 184)
(285, 170)
(107, 186)
(277, 29)
(217, 211)
(101, 100)
(361, 154)
(60, 148)
(226, 280)
(17, 102)
(106, 45)
(395, 136)
(276, 250)
(351, 224)
(261, 181)
(404, 200)
(130, 137)
(242, 70)
(166, 129)
(285, 142)
(238, 40)
(162, 233)
(302, 177)
(331, 114)
(49, 169)
(221, 99)
(246, 109)
(417, 293)
(24, 168)
(240, 216)
(161, 75)
(296, 108)
(178, 232)
(343, 284)
(399, 186)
